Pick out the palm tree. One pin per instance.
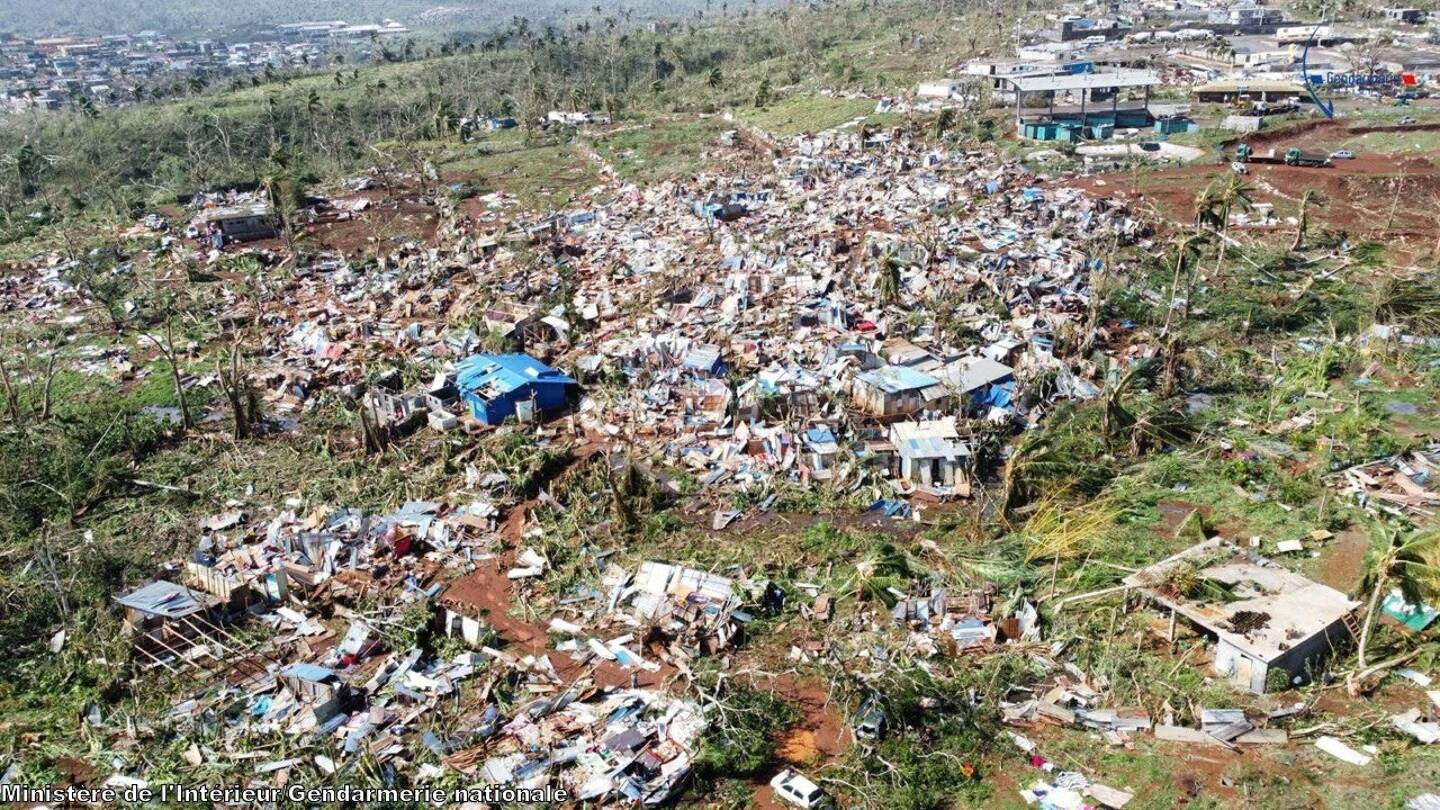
(1413, 303)
(1409, 562)
(1235, 194)
(889, 284)
(715, 78)
(943, 122)
(1183, 259)
(1207, 209)
(1115, 417)
(1215, 204)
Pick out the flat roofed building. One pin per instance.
(1099, 96)
(1265, 618)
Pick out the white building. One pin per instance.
(932, 456)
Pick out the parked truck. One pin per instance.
(1298, 157)
(1292, 157)
(1245, 154)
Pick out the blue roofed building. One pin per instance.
(892, 390)
(496, 387)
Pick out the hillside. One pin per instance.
(218, 18)
(647, 413)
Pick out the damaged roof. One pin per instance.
(1292, 607)
(897, 379)
(161, 598)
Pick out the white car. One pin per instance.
(1343, 154)
(792, 786)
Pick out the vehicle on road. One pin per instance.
(1299, 157)
(794, 788)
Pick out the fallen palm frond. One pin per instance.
(1367, 254)
(1058, 458)
(1185, 580)
(1059, 530)
(997, 563)
(883, 569)
(1413, 303)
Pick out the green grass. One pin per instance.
(543, 176)
(660, 150)
(1387, 143)
(801, 114)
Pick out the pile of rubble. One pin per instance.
(336, 595)
(1402, 484)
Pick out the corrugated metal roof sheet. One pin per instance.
(161, 598)
(897, 379)
(505, 373)
(308, 672)
(702, 358)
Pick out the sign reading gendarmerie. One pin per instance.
(219, 794)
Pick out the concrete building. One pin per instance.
(1091, 29)
(1271, 625)
(244, 223)
(938, 88)
(1261, 51)
(931, 455)
(1226, 91)
(1253, 16)
(1407, 16)
(1099, 111)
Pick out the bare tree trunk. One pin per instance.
(49, 379)
(1300, 225)
(373, 436)
(168, 350)
(12, 401)
(236, 386)
(1394, 203)
(1355, 684)
(1370, 616)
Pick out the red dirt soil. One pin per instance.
(1360, 196)
(818, 740)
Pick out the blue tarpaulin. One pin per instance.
(891, 508)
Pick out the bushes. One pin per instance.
(931, 758)
(51, 472)
(744, 729)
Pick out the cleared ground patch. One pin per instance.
(660, 150)
(801, 114)
(541, 175)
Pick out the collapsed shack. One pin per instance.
(171, 625)
(1272, 626)
(346, 695)
(1402, 484)
(628, 746)
(698, 610)
(240, 223)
